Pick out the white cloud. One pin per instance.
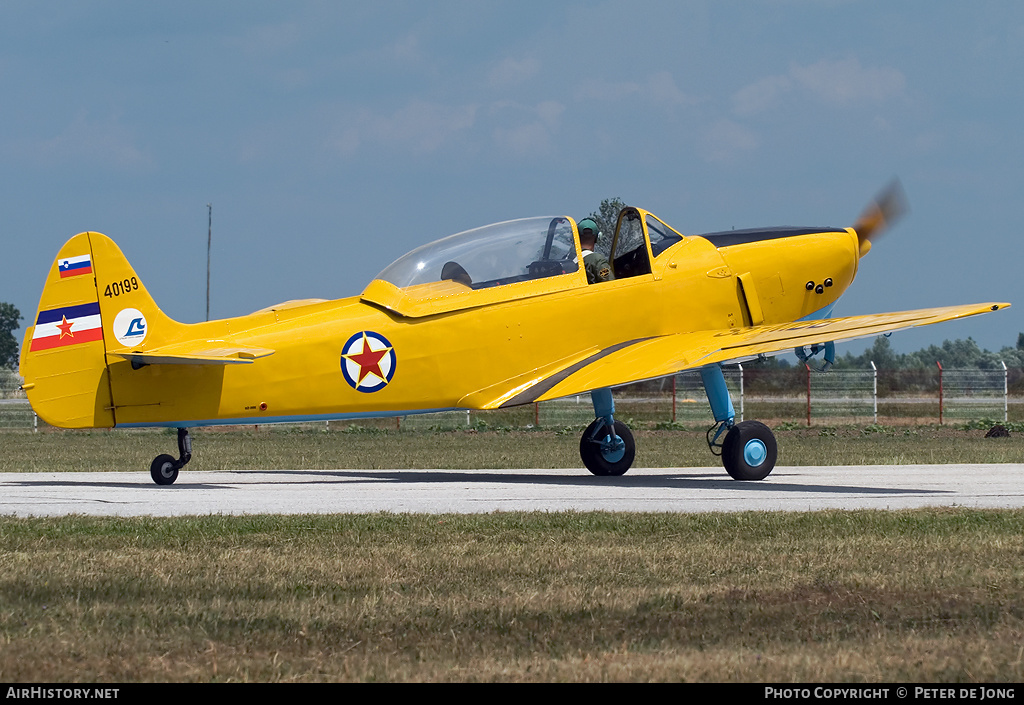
(420, 126)
(104, 142)
(522, 140)
(550, 112)
(661, 89)
(532, 128)
(405, 50)
(512, 72)
(658, 89)
(839, 83)
(724, 141)
(845, 82)
(760, 96)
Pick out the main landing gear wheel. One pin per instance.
(749, 451)
(164, 468)
(604, 455)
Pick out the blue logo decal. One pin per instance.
(136, 328)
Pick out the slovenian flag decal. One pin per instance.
(67, 325)
(73, 266)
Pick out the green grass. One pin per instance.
(924, 596)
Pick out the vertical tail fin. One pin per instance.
(93, 303)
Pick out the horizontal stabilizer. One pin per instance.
(198, 352)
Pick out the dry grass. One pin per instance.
(316, 449)
(928, 596)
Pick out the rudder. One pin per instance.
(130, 316)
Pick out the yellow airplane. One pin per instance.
(485, 319)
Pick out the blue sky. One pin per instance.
(331, 137)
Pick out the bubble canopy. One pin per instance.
(493, 255)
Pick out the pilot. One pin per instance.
(597, 265)
(456, 273)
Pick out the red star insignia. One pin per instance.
(65, 328)
(368, 361)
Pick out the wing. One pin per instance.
(198, 352)
(648, 358)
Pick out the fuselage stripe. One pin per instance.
(530, 395)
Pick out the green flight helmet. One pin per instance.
(589, 224)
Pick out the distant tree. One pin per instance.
(9, 317)
(880, 352)
(953, 354)
(1020, 341)
(607, 217)
(1012, 357)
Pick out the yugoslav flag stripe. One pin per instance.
(68, 325)
(73, 266)
(46, 330)
(75, 337)
(56, 315)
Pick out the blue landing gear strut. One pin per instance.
(607, 446)
(749, 450)
(828, 348)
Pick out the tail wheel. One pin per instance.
(164, 469)
(604, 455)
(749, 451)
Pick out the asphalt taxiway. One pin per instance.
(476, 491)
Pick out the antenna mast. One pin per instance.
(209, 240)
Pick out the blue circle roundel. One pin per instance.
(368, 361)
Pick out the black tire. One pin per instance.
(597, 458)
(749, 451)
(164, 469)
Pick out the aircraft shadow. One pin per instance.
(114, 485)
(668, 481)
(675, 481)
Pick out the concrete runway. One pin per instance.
(475, 491)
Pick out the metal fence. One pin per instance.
(844, 394)
(15, 411)
(973, 394)
(795, 394)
